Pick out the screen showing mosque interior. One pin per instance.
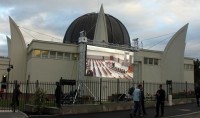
(109, 63)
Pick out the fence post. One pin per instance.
(117, 89)
(167, 91)
(37, 84)
(14, 100)
(143, 86)
(186, 88)
(100, 90)
(27, 89)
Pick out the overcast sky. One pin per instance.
(144, 19)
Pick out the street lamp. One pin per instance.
(8, 70)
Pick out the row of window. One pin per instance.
(150, 61)
(188, 67)
(154, 61)
(54, 54)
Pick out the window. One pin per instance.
(150, 60)
(36, 53)
(155, 61)
(185, 66)
(191, 67)
(145, 60)
(74, 56)
(53, 54)
(59, 55)
(188, 66)
(45, 54)
(67, 55)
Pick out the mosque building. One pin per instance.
(96, 45)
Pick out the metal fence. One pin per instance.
(96, 91)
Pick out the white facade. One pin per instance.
(173, 57)
(150, 67)
(17, 53)
(188, 70)
(48, 61)
(147, 70)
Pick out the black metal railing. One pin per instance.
(96, 91)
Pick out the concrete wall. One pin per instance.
(51, 70)
(18, 53)
(172, 64)
(189, 73)
(47, 69)
(149, 73)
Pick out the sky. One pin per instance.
(152, 21)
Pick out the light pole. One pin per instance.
(136, 64)
(8, 70)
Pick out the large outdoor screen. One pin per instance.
(107, 62)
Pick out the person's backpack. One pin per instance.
(130, 91)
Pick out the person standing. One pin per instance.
(15, 97)
(137, 101)
(197, 93)
(142, 101)
(58, 94)
(160, 97)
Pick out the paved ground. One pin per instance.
(189, 115)
(10, 114)
(178, 111)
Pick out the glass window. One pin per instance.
(187, 66)
(67, 55)
(53, 54)
(59, 55)
(150, 60)
(36, 53)
(191, 67)
(74, 56)
(145, 60)
(45, 54)
(155, 61)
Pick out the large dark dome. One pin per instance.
(117, 33)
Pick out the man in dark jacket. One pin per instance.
(58, 94)
(160, 97)
(15, 97)
(197, 93)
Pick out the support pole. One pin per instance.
(81, 64)
(136, 64)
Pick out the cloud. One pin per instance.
(3, 50)
(143, 19)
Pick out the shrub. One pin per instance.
(39, 100)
